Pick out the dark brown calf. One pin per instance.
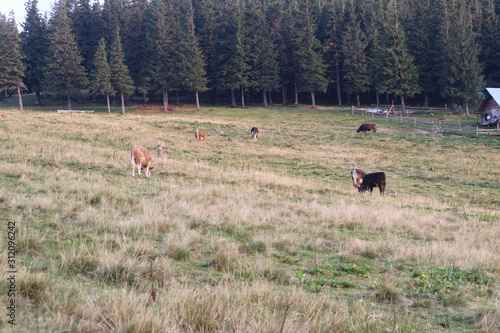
(367, 127)
(371, 180)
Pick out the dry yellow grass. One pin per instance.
(235, 227)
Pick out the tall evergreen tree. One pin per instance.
(161, 72)
(462, 75)
(310, 75)
(100, 83)
(64, 73)
(264, 73)
(191, 65)
(489, 37)
(423, 44)
(34, 45)
(354, 54)
(87, 28)
(11, 65)
(232, 50)
(399, 75)
(137, 55)
(120, 77)
(205, 21)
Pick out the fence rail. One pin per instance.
(434, 126)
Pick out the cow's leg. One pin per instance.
(133, 169)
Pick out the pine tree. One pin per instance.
(87, 28)
(34, 46)
(310, 75)
(422, 44)
(64, 73)
(264, 73)
(205, 20)
(353, 51)
(120, 77)
(399, 75)
(232, 50)
(100, 84)
(191, 64)
(161, 72)
(462, 76)
(11, 65)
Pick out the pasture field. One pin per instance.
(235, 235)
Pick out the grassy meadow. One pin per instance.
(235, 235)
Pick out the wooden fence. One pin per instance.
(433, 126)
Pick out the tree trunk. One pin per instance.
(270, 98)
(358, 103)
(165, 101)
(197, 96)
(38, 99)
(123, 103)
(313, 99)
(339, 94)
(242, 97)
(296, 95)
(233, 98)
(467, 110)
(403, 107)
(264, 98)
(69, 103)
(20, 98)
(109, 104)
(426, 99)
(283, 95)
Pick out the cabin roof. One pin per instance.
(495, 93)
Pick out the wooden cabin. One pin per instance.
(489, 107)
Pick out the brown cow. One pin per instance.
(199, 135)
(371, 180)
(367, 127)
(141, 158)
(255, 133)
(357, 177)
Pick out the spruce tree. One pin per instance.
(354, 57)
(264, 73)
(232, 50)
(34, 45)
(399, 75)
(423, 45)
(462, 75)
(100, 83)
(11, 65)
(191, 64)
(86, 26)
(64, 73)
(310, 68)
(120, 77)
(161, 73)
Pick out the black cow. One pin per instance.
(371, 180)
(367, 127)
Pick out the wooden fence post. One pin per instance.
(160, 149)
(477, 131)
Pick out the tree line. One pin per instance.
(348, 51)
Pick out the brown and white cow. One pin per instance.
(367, 127)
(371, 180)
(141, 158)
(255, 133)
(357, 177)
(199, 135)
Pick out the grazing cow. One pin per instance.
(141, 158)
(367, 127)
(199, 135)
(255, 133)
(357, 177)
(371, 180)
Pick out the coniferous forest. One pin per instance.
(341, 52)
